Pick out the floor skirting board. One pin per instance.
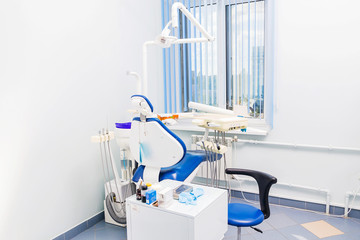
(317, 207)
(81, 227)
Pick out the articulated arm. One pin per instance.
(175, 19)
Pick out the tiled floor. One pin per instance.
(283, 224)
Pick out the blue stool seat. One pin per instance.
(179, 171)
(244, 215)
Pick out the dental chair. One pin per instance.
(245, 215)
(158, 151)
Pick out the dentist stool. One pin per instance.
(245, 215)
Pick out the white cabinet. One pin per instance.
(206, 220)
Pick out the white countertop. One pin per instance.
(210, 194)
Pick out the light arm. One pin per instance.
(164, 40)
(175, 19)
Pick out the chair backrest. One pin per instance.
(264, 181)
(151, 142)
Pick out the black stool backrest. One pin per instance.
(264, 181)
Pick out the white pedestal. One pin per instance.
(206, 220)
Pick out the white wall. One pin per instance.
(317, 98)
(62, 77)
(316, 89)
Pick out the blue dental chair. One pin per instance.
(158, 151)
(244, 215)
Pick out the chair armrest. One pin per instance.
(240, 171)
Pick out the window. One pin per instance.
(199, 61)
(228, 72)
(245, 56)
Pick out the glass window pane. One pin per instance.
(200, 59)
(245, 56)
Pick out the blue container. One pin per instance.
(150, 196)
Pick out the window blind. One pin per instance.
(191, 70)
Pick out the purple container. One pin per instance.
(126, 125)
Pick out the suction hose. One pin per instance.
(109, 206)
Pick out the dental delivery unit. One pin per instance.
(143, 159)
(151, 154)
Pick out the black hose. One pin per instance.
(109, 206)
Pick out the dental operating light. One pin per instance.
(165, 40)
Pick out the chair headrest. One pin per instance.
(142, 104)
